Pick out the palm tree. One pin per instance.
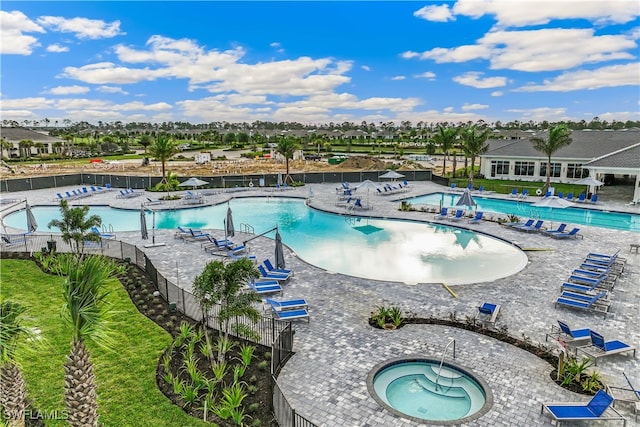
(474, 144)
(25, 147)
(13, 390)
(87, 313)
(559, 136)
(445, 138)
(222, 285)
(75, 226)
(162, 149)
(287, 147)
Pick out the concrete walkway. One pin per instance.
(325, 381)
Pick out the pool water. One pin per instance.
(391, 250)
(525, 209)
(423, 390)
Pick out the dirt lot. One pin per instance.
(237, 166)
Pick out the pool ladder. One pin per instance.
(444, 353)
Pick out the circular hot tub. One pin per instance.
(426, 391)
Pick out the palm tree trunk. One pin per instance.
(80, 394)
(13, 394)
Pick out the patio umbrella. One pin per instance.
(589, 182)
(193, 182)
(32, 224)
(466, 199)
(392, 175)
(228, 227)
(553, 202)
(143, 224)
(279, 255)
(367, 185)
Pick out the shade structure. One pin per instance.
(367, 185)
(143, 224)
(589, 181)
(466, 199)
(228, 226)
(193, 182)
(553, 202)
(32, 224)
(279, 255)
(392, 175)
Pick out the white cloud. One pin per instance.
(111, 89)
(471, 107)
(69, 90)
(448, 109)
(531, 12)
(611, 76)
(365, 67)
(397, 78)
(13, 40)
(537, 50)
(497, 93)
(56, 48)
(409, 54)
(83, 28)
(108, 72)
(18, 115)
(620, 115)
(435, 13)
(474, 79)
(35, 103)
(426, 75)
(542, 113)
(275, 45)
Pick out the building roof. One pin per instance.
(624, 159)
(19, 134)
(586, 146)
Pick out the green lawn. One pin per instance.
(505, 186)
(127, 392)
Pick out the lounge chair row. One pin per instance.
(537, 226)
(80, 193)
(469, 187)
(128, 194)
(459, 215)
(388, 189)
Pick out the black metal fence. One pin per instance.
(227, 181)
(271, 332)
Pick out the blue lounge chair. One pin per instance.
(488, 313)
(274, 276)
(292, 304)
(603, 257)
(580, 296)
(476, 219)
(453, 186)
(217, 244)
(560, 229)
(575, 411)
(272, 269)
(591, 281)
(457, 216)
(560, 195)
(291, 314)
(577, 287)
(569, 197)
(581, 198)
(358, 204)
(524, 194)
(589, 305)
(108, 186)
(197, 234)
(529, 223)
(443, 214)
(573, 234)
(265, 287)
(566, 334)
(531, 228)
(514, 193)
(600, 348)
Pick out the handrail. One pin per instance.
(246, 228)
(259, 235)
(444, 352)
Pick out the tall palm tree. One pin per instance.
(287, 147)
(222, 285)
(75, 226)
(559, 136)
(474, 143)
(445, 138)
(163, 149)
(13, 390)
(87, 313)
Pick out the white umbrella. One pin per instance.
(589, 181)
(392, 175)
(367, 185)
(553, 202)
(193, 182)
(32, 224)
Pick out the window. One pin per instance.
(524, 169)
(555, 169)
(499, 167)
(574, 170)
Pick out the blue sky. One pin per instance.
(320, 62)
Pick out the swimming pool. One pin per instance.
(525, 209)
(391, 250)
